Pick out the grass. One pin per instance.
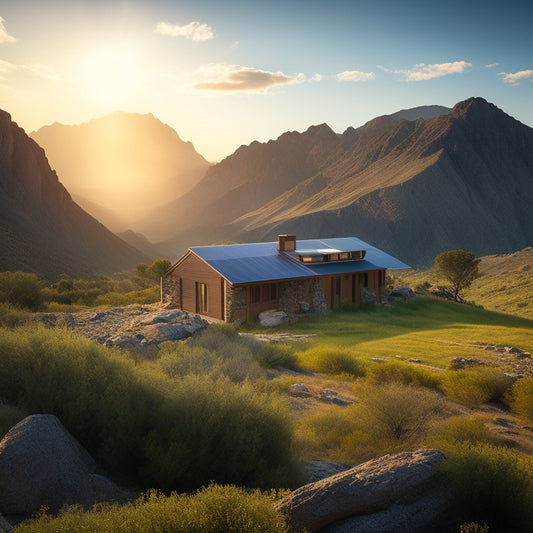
(506, 284)
(426, 330)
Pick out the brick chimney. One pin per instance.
(286, 243)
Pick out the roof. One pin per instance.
(261, 262)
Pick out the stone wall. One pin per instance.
(170, 291)
(236, 303)
(292, 294)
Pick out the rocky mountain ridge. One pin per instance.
(412, 187)
(121, 165)
(42, 229)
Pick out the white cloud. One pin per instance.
(317, 77)
(37, 69)
(195, 31)
(234, 78)
(491, 65)
(422, 72)
(355, 75)
(4, 36)
(516, 77)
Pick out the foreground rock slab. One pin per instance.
(401, 492)
(41, 464)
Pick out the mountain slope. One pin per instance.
(42, 230)
(414, 188)
(125, 162)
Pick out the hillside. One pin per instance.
(411, 187)
(124, 163)
(42, 229)
(506, 284)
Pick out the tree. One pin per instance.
(20, 289)
(460, 268)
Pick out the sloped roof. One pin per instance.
(261, 262)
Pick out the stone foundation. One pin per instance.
(236, 303)
(293, 293)
(170, 291)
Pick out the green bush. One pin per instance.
(20, 289)
(387, 418)
(491, 484)
(402, 372)
(449, 433)
(214, 509)
(475, 386)
(172, 434)
(11, 316)
(333, 361)
(520, 398)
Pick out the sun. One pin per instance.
(109, 74)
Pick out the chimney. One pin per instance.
(286, 243)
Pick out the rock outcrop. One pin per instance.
(130, 326)
(401, 492)
(41, 464)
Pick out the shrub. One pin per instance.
(210, 510)
(474, 527)
(395, 411)
(175, 434)
(20, 289)
(402, 372)
(475, 386)
(449, 433)
(491, 484)
(520, 398)
(11, 316)
(334, 361)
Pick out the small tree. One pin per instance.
(460, 268)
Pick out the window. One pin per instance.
(264, 293)
(201, 298)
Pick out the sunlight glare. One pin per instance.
(109, 74)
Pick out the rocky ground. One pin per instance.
(132, 325)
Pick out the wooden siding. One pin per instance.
(343, 288)
(193, 270)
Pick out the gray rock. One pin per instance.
(42, 464)
(304, 307)
(158, 333)
(5, 526)
(123, 340)
(318, 470)
(402, 293)
(272, 318)
(372, 487)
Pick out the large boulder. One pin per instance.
(391, 493)
(273, 318)
(41, 464)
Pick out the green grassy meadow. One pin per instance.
(424, 329)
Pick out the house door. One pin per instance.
(201, 298)
(335, 291)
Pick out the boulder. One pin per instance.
(272, 318)
(41, 464)
(401, 293)
(395, 485)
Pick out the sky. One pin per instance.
(224, 73)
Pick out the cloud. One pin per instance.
(195, 31)
(234, 78)
(37, 69)
(422, 72)
(355, 75)
(4, 36)
(516, 77)
(491, 65)
(317, 77)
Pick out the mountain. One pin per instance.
(125, 163)
(427, 112)
(42, 230)
(412, 187)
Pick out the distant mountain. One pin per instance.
(427, 112)
(42, 230)
(141, 243)
(126, 163)
(463, 179)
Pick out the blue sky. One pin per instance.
(225, 73)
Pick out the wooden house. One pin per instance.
(237, 282)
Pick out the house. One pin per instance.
(236, 282)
